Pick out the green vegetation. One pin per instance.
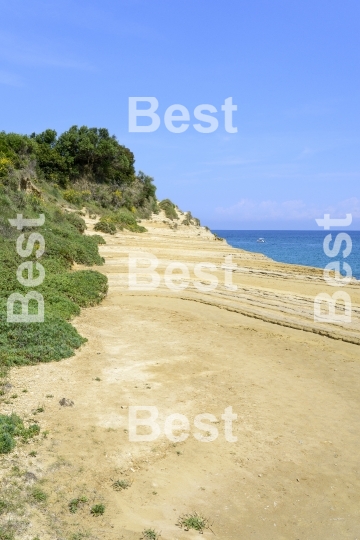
(169, 209)
(12, 427)
(39, 495)
(119, 485)
(85, 166)
(7, 532)
(97, 510)
(64, 292)
(190, 220)
(43, 173)
(79, 536)
(105, 226)
(193, 521)
(74, 504)
(150, 534)
(119, 220)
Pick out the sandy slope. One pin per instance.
(293, 472)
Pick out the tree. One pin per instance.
(148, 189)
(53, 166)
(94, 154)
(17, 148)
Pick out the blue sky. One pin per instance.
(291, 67)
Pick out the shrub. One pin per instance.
(105, 226)
(72, 196)
(125, 219)
(22, 343)
(98, 239)
(190, 220)
(76, 221)
(64, 293)
(169, 209)
(97, 510)
(5, 166)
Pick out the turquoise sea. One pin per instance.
(295, 247)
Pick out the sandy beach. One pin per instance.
(292, 473)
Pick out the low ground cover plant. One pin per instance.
(194, 521)
(97, 510)
(119, 485)
(75, 504)
(65, 292)
(39, 495)
(12, 428)
(150, 534)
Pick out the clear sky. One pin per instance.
(291, 67)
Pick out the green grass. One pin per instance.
(150, 534)
(39, 495)
(193, 521)
(79, 536)
(7, 533)
(11, 428)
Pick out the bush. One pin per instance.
(98, 239)
(5, 166)
(76, 221)
(84, 287)
(97, 510)
(105, 226)
(72, 196)
(169, 209)
(125, 219)
(22, 343)
(122, 219)
(190, 220)
(64, 292)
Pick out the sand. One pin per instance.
(293, 472)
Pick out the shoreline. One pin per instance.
(278, 258)
(287, 302)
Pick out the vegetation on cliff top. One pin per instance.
(58, 176)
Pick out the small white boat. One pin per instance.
(261, 240)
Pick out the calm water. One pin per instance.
(295, 247)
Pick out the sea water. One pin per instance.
(295, 247)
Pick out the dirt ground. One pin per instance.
(293, 472)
